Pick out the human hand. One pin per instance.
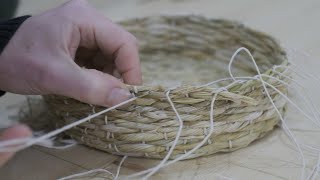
(14, 132)
(46, 54)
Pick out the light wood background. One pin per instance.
(294, 22)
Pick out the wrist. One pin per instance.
(7, 30)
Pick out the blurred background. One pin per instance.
(294, 22)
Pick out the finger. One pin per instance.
(98, 32)
(127, 64)
(87, 85)
(114, 41)
(17, 131)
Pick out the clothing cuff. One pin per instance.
(8, 28)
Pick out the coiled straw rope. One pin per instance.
(148, 127)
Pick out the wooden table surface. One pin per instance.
(295, 23)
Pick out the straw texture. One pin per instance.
(184, 52)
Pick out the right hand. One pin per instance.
(41, 59)
(41, 56)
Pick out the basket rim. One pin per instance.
(137, 88)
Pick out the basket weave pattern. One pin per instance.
(147, 128)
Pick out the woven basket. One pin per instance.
(184, 52)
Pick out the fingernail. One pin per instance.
(117, 96)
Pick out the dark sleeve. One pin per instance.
(7, 30)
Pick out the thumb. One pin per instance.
(17, 131)
(90, 86)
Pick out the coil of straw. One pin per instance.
(184, 52)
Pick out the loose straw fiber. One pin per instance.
(184, 52)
